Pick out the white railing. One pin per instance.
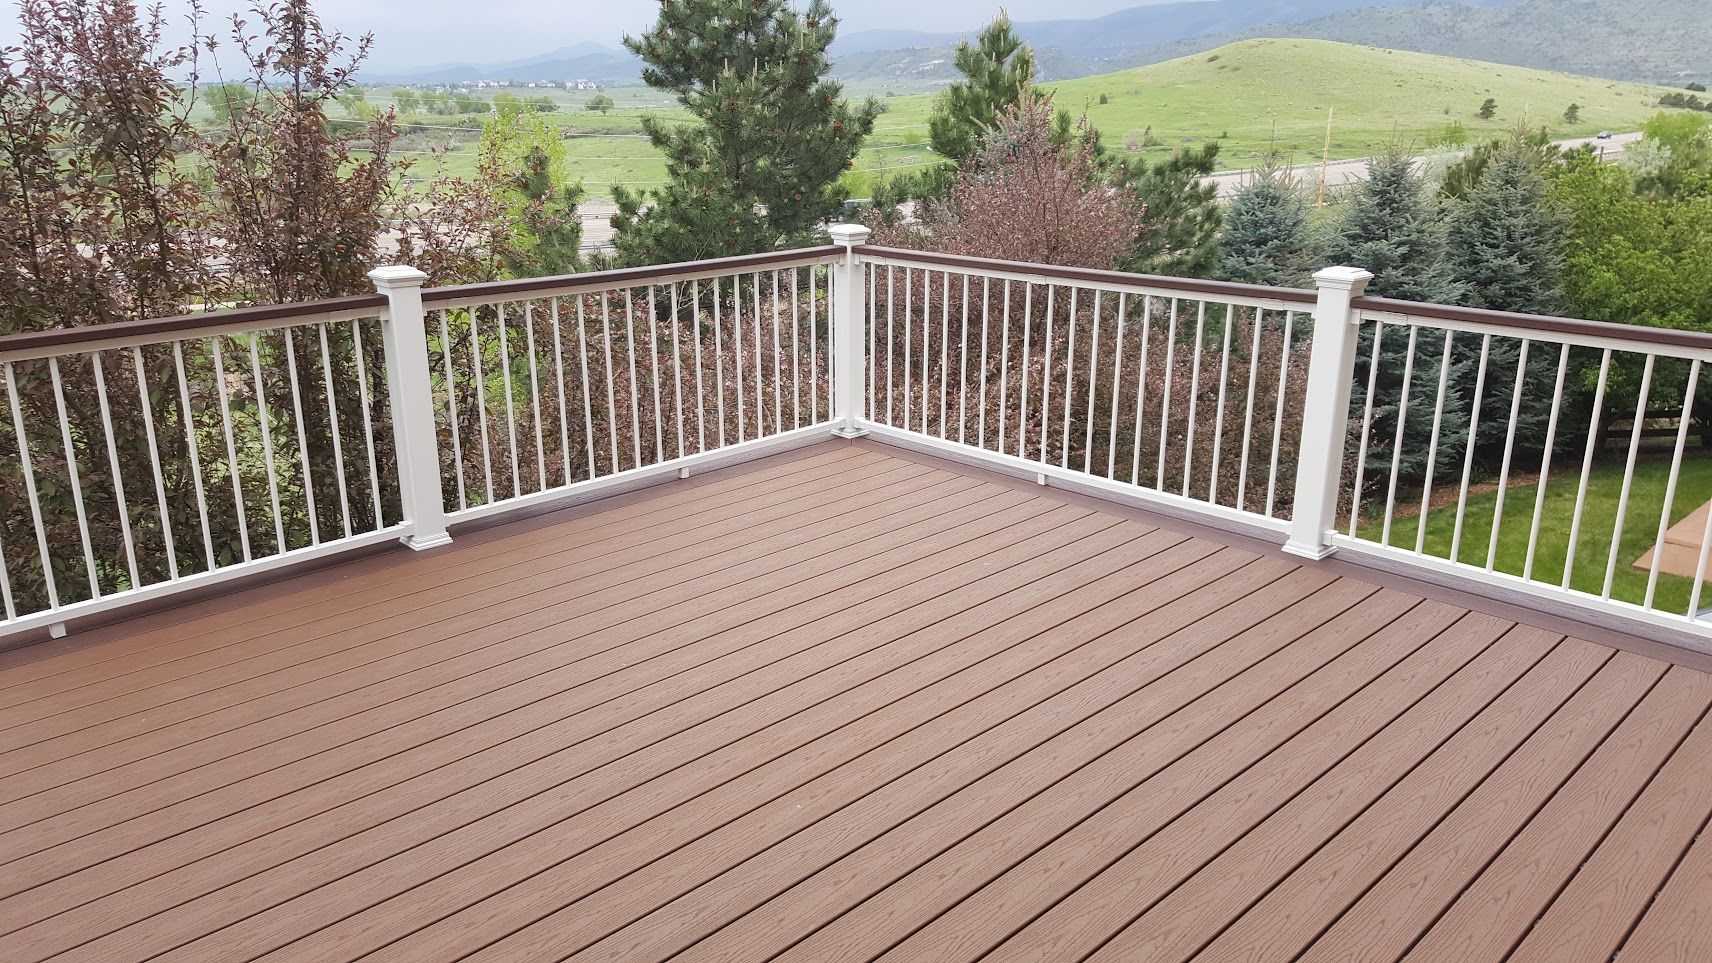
(153, 457)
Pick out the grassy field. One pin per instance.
(1242, 95)
(1599, 515)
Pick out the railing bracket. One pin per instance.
(1040, 478)
(56, 630)
(684, 472)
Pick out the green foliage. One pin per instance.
(599, 103)
(541, 201)
(1268, 236)
(1572, 114)
(1507, 237)
(1453, 134)
(1180, 234)
(1488, 109)
(226, 100)
(405, 99)
(996, 70)
(761, 168)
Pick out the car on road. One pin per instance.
(1604, 135)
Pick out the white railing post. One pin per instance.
(1325, 416)
(411, 395)
(849, 359)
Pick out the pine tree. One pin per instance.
(1181, 234)
(761, 169)
(997, 68)
(1393, 227)
(1267, 235)
(1507, 238)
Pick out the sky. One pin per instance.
(419, 33)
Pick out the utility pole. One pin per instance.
(1325, 158)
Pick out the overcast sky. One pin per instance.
(415, 33)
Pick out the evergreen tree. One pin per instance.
(1181, 234)
(1507, 237)
(1393, 227)
(541, 201)
(997, 68)
(761, 169)
(1267, 235)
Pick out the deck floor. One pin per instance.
(851, 704)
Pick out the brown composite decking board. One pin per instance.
(847, 704)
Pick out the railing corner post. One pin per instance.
(410, 392)
(848, 311)
(1325, 415)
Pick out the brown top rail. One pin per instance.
(182, 325)
(1526, 324)
(628, 277)
(1096, 276)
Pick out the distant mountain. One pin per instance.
(582, 61)
(1077, 48)
(1652, 41)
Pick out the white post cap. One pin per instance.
(396, 276)
(1353, 279)
(849, 235)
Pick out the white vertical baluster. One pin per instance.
(338, 443)
(76, 480)
(167, 541)
(1468, 453)
(1593, 441)
(368, 423)
(451, 416)
(926, 344)
(796, 345)
(1093, 380)
(1022, 394)
(775, 369)
(873, 313)
(481, 399)
(1069, 379)
(1509, 447)
(1433, 445)
(981, 406)
(582, 367)
(1004, 365)
(264, 418)
(944, 348)
(195, 454)
(1278, 412)
(113, 467)
(302, 438)
(1628, 476)
(1195, 397)
(1545, 463)
(654, 374)
(760, 354)
(719, 358)
(1397, 439)
(700, 390)
(611, 391)
(675, 292)
(232, 447)
(1165, 403)
(535, 395)
(891, 334)
(510, 398)
(1248, 416)
(1675, 473)
(1046, 374)
(1219, 417)
(737, 342)
(1141, 378)
(963, 369)
(909, 341)
(559, 385)
(1366, 430)
(1117, 386)
(29, 472)
(814, 340)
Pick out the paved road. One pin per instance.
(1342, 173)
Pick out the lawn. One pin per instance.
(1640, 528)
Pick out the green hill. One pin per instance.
(1243, 92)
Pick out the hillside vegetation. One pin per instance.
(1243, 91)
(1239, 94)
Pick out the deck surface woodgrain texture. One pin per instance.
(850, 704)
